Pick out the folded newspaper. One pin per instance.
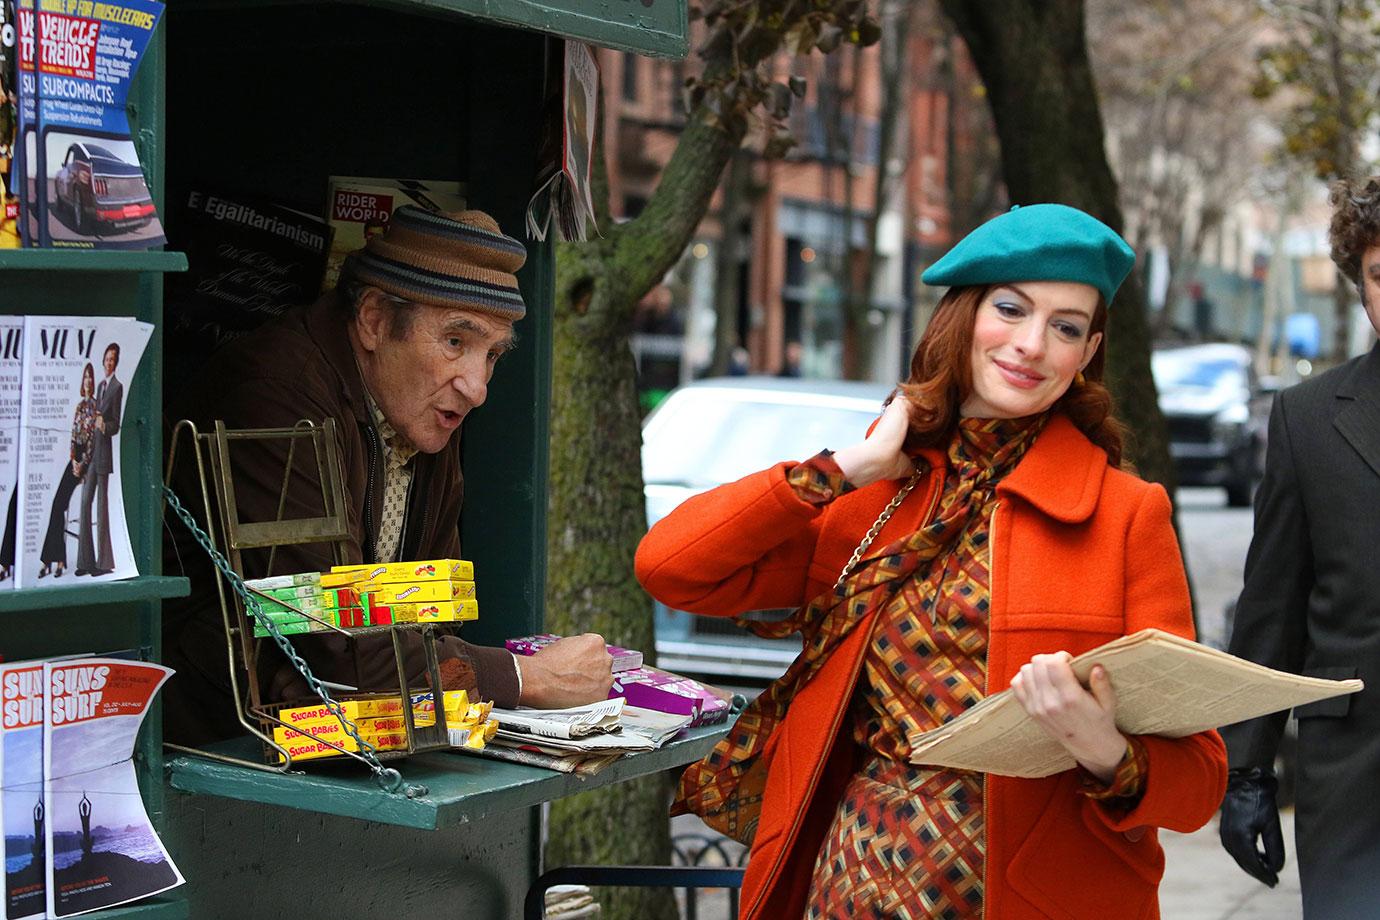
(1165, 685)
(575, 722)
(560, 739)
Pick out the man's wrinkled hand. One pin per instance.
(1250, 813)
(569, 672)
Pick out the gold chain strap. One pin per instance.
(876, 528)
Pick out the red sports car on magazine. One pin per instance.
(96, 191)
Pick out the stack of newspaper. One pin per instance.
(582, 739)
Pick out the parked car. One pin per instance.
(715, 431)
(1217, 412)
(96, 191)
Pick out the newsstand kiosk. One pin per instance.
(276, 97)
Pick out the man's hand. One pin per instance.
(568, 672)
(1083, 721)
(1249, 812)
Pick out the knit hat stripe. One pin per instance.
(389, 276)
(458, 260)
(440, 225)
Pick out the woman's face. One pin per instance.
(88, 381)
(1029, 340)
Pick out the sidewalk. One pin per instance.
(1201, 882)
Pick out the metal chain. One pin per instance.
(876, 528)
(389, 779)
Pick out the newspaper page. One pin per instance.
(1165, 685)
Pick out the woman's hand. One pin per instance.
(880, 456)
(1082, 720)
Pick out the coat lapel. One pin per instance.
(1358, 412)
(1061, 474)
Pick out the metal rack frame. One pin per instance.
(232, 536)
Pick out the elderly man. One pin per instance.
(397, 355)
(1311, 605)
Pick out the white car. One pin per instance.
(715, 431)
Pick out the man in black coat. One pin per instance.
(1311, 605)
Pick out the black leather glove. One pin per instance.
(1249, 812)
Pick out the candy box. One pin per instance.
(426, 570)
(652, 688)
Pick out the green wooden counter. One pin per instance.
(330, 843)
(461, 788)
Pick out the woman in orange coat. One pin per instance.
(1004, 538)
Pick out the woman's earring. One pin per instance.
(1079, 379)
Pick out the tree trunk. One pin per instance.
(728, 264)
(595, 509)
(1034, 61)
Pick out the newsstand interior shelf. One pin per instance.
(460, 787)
(141, 588)
(92, 260)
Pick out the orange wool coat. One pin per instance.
(1081, 554)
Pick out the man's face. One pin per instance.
(109, 361)
(1370, 284)
(427, 382)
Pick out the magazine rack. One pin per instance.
(227, 533)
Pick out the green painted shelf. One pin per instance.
(92, 260)
(141, 588)
(148, 909)
(460, 788)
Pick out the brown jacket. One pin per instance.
(302, 366)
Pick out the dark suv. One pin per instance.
(1217, 412)
(97, 191)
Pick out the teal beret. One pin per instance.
(1039, 242)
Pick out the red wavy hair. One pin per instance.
(941, 377)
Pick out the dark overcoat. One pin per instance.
(1311, 605)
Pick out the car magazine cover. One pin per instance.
(71, 520)
(9, 125)
(11, 372)
(360, 207)
(21, 788)
(22, 181)
(93, 195)
(104, 850)
(248, 260)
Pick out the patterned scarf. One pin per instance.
(725, 788)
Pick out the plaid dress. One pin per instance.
(907, 841)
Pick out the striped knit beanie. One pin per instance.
(461, 259)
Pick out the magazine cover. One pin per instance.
(22, 178)
(9, 124)
(71, 526)
(360, 207)
(567, 148)
(93, 194)
(248, 260)
(11, 371)
(21, 789)
(103, 849)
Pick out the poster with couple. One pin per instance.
(74, 392)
